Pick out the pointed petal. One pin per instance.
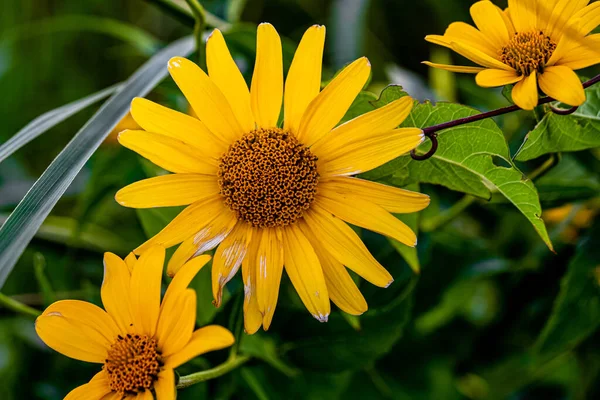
(145, 290)
(115, 291)
(525, 93)
(252, 316)
(304, 269)
(208, 102)
(561, 16)
(362, 156)
(228, 258)
(303, 81)
(467, 34)
(455, 68)
(580, 55)
(376, 122)
(365, 214)
(206, 239)
(226, 75)
(192, 219)
(478, 57)
(496, 77)
(165, 385)
(490, 22)
(562, 84)
(267, 79)
(95, 389)
(208, 338)
(168, 191)
(153, 117)
(523, 14)
(392, 199)
(328, 108)
(168, 153)
(176, 322)
(185, 275)
(589, 17)
(130, 260)
(345, 245)
(270, 268)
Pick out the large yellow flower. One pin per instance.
(531, 42)
(138, 340)
(271, 195)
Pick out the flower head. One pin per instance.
(531, 42)
(138, 339)
(273, 195)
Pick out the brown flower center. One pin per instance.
(528, 51)
(133, 364)
(268, 178)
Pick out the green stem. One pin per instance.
(17, 306)
(443, 218)
(200, 17)
(227, 366)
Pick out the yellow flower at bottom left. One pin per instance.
(138, 339)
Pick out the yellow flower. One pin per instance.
(267, 195)
(531, 42)
(138, 340)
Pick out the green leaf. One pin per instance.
(48, 120)
(466, 161)
(568, 181)
(30, 213)
(562, 133)
(263, 347)
(576, 312)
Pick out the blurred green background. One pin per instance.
(486, 317)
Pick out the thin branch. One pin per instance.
(17, 306)
(200, 17)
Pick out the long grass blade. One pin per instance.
(30, 213)
(48, 120)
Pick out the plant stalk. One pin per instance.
(17, 306)
(197, 377)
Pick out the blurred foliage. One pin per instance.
(492, 314)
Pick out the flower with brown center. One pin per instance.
(531, 42)
(138, 339)
(274, 196)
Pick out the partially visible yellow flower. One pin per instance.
(271, 195)
(531, 42)
(138, 339)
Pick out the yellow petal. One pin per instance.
(362, 156)
(153, 117)
(168, 153)
(225, 74)
(270, 267)
(581, 54)
(145, 395)
(267, 80)
(561, 16)
(365, 214)
(455, 68)
(304, 269)
(478, 57)
(176, 322)
(303, 81)
(465, 33)
(376, 122)
(523, 14)
(95, 389)
(130, 260)
(328, 108)
(206, 239)
(228, 258)
(345, 245)
(206, 99)
(115, 291)
(145, 290)
(208, 338)
(192, 219)
(75, 328)
(185, 275)
(252, 316)
(589, 17)
(490, 22)
(168, 190)
(165, 385)
(496, 77)
(525, 93)
(562, 84)
(390, 198)
(342, 289)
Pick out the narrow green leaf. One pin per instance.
(48, 120)
(562, 133)
(576, 312)
(30, 213)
